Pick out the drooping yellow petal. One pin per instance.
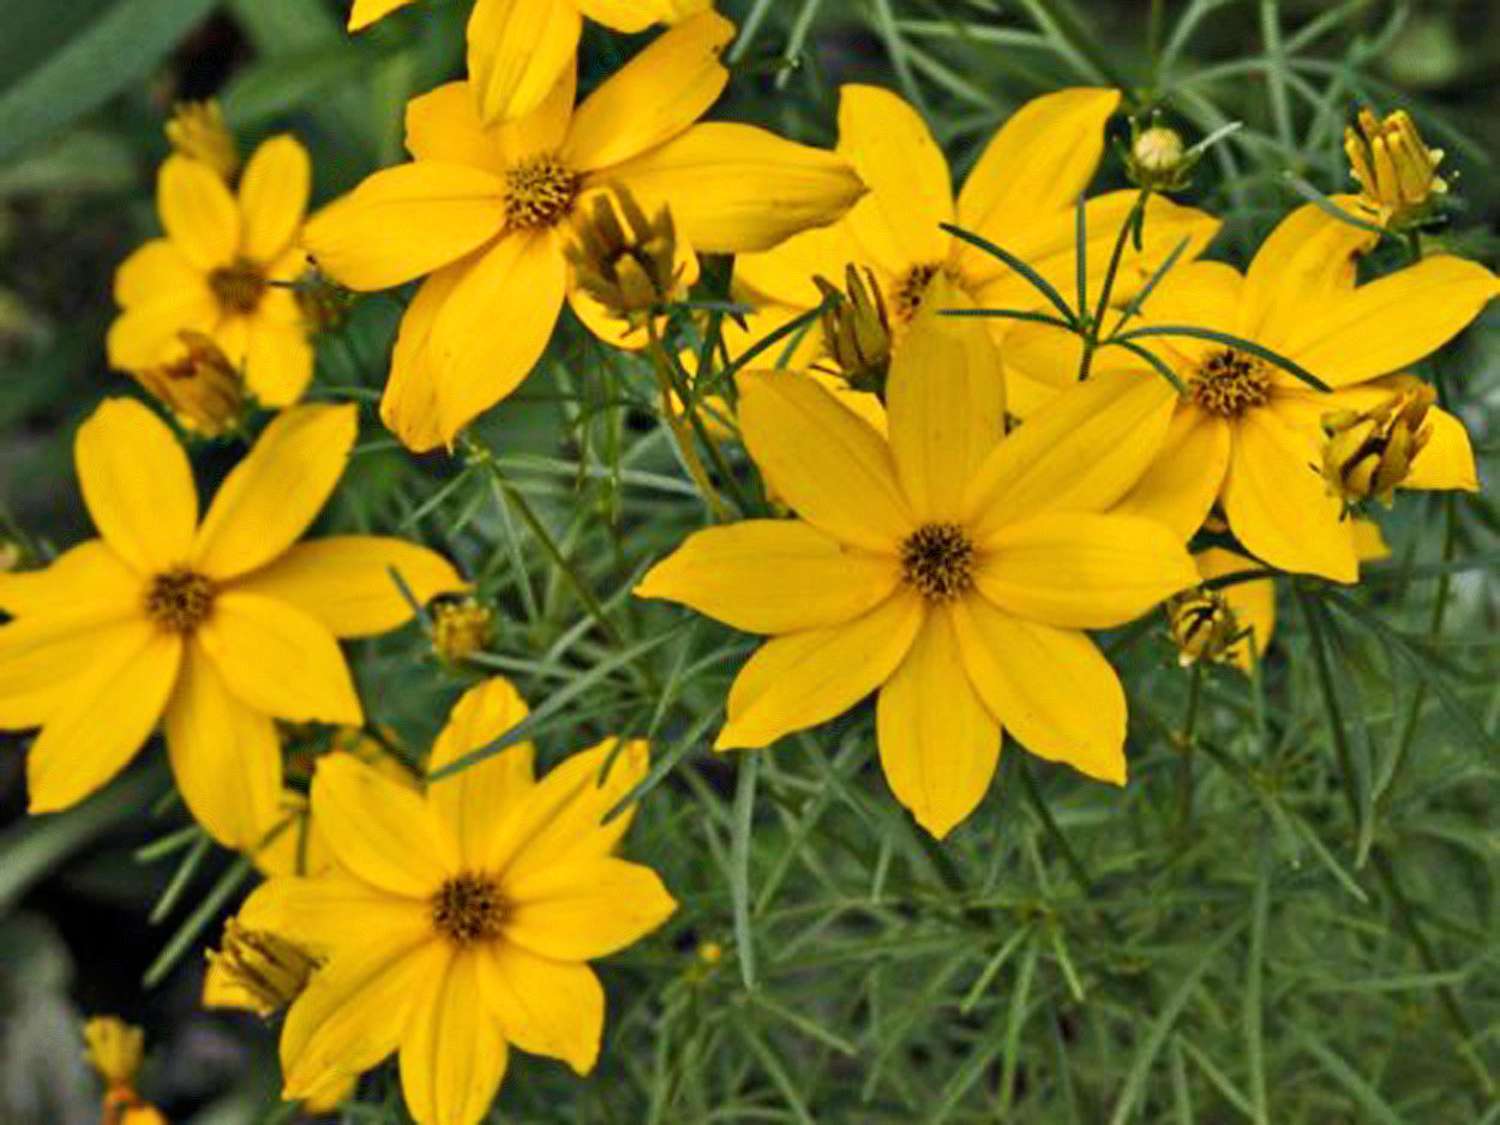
(381, 832)
(831, 467)
(1277, 504)
(945, 399)
(44, 656)
(409, 406)
(405, 221)
(654, 97)
(1049, 687)
(279, 660)
(1446, 461)
(137, 484)
(735, 188)
(88, 574)
(106, 716)
(1080, 454)
(517, 50)
(546, 1007)
(154, 270)
(273, 197)
(1253, 601)
(1040, 161)
(198, 212)
(938, 744)
(772, 576)
(584, 909)
(345, 581)
(366, 12)
(453, 1054)
(226, 756)
(1083, 571)
(473, 801)
(1185, 478)
(271, 496)
(322, 913)
(802, 679)
(149, 333)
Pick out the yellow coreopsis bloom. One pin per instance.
(485, 213)
(951, 566)
(1021, 195)
(212, 626)
(457, 924)
(217, 269)
(1249, 434)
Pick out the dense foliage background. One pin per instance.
(1289, 915)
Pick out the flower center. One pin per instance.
(179, 600)
(1229, 382)
(539, 192)
(238, 286)
(906, 297)
(468, 908)
(938, 559)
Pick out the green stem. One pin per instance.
(1310, 613)
(1186, 745)
(1067, 25)
(1095, 323)
(682, 435)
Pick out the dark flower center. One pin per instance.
(238, 287)
(180, 600)
(1229, 382)
(539, 192)
(468, 908)
(938, 560)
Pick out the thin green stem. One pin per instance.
(1186, 743)
(1311, 614)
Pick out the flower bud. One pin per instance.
(197, 130)
(114, 1048)
(857, 329)
(202, 388)
(255, 970)
(1397, 172)
(460, 629)
(1157, 158)
(624, 260)
(323, 302)
(1202, 626)
(1368, 454)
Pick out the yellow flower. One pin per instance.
(461, 628)
(212, 626)
(1247, 433)
(197, 130)
(519, 48)
(201, 387)
(114, 1049)
(1397, 172)
(458, 924)
(1021, 195)
(484, 214)
(951, 566)
(213, 272)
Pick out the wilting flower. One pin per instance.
(1368, 454)
(485, 214)
(1021, 195)
(1397, 172)
(519, 48)
(857, 330)
(255, 970)
(197, 130)
(460, 628)
(457, 924)
(1247, 433)
(114, 1049)
(221, 271)
(626, 266)
(200, 387)
(213, 627)
(952, 567)
(1203, 626)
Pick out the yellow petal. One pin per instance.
(1369, 543)
(273, 197)
(443, 126)
(1446, 461)
(278, 362)
(473, 801)
(1392, 322)
(1081, 453)
(772, 576)
(546, 1007)
(831, 467)
(783, 275)
(345, 581)
(198, 212)
(154, 270)
(109, 712)
(44, 656)
(226, 756)
(517, 51)
(137, 484)
(410, 404)
(802, 679)
(585, 909)
(333, 911)
(148, 333)
(1040, 161)
(938, 744)
(453, 1054)
(289, 843)
(654, 97)
(946, 402)
(406, 221)
(1049, 687)
(380, 831)
(494, 326)
(1185, 479)
(1083, 571)
(629, 16)
(366, 12)
(84, 575)
(1203, 294)
(734, 188)
(1277, 504)
(271, 496)
(280, 660)
(1253, 601)
(545, 128)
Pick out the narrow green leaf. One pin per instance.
(1229, 341)
(739, 870)
(1036, 280)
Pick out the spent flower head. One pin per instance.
(1368, 454)
(202, 389)
(1396, 171)
(623, 259)
(857, 330)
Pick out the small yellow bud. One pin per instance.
(1202, 626)
(1397, 172)
(710, 952)
(624, 260)
(201, 388)
(1367, 454)
(1158, 159)
(197, 130)
(460, 629)
(12, 555)
(857, 329)
(255, 970)
(114, 1048)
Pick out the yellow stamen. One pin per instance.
(468, 908)
(197, 130)
(460, 629)
(539, 192)
(906, 297)
(1229, 382)
(938, 561)
(179, 600)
